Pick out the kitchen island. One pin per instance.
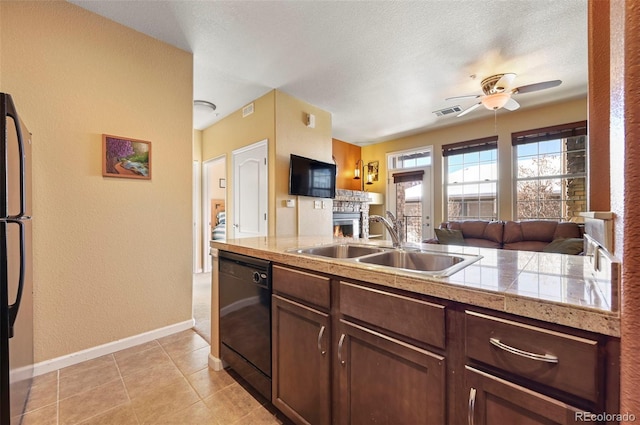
(537, 332)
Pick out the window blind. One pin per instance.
(408, 176)
(476, 145)
(549, 133)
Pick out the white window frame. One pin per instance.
(447, 184)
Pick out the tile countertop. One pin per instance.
(554, 288)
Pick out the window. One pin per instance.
(550, 172)
(472, 179)
(412, 159)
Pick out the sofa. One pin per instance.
(534, 235)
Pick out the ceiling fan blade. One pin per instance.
(469, 109)
(503, 83)
(466, 96)
(537, 86)
(511, 105)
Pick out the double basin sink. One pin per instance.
(435, 264)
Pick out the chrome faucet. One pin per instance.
(393, 226)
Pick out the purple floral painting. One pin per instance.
(123, 157)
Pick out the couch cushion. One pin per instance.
(572, 246)
(484, 234)
(449, 236)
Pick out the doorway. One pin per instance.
(210, 190)
(214, 195)
(410, 192)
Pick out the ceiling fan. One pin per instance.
(497, 92)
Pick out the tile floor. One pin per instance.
(165, 381)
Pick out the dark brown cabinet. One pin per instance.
(493, 400)
(348, 352)
(386, 381)
(301, 340)
(301, 367)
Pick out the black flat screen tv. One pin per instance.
(309, 177)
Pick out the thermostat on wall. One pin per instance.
(311, 121)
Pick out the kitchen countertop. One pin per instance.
(554, 288)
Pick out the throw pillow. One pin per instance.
(449, 237)
(572, 246)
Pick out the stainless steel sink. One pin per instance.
(434, 264)
(345, 250)
(429, 263)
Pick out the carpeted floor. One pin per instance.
(202, 304)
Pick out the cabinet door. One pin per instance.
(495, 401)
(386, 381)
(301, 363)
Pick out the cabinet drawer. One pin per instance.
(416, 319)
(303, 286)
(559, 360)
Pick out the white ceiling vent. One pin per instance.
(247, 110)
(447, 111)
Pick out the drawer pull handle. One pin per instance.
(342, 362)
(472, 406)
(320, 334)
(549, 358)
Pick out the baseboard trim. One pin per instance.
(216, 363)
(111, 347)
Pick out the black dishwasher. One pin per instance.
(245, 318)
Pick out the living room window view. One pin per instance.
(549, 175)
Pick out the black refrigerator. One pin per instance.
(16, 281)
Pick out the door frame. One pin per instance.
(206, 205)
(197, 217)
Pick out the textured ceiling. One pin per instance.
(380, 67)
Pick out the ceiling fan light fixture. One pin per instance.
(495, 101)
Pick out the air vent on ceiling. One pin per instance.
(247, 110)
(447, 111)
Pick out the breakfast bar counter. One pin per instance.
(555, 288)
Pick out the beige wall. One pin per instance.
(507, 123)
(112, 257)
(293, 136)
(281, 119)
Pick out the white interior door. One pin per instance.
(412, 202)
(250, 190)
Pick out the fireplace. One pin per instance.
(346, 224)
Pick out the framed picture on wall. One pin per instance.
(222, 183)
(126, 157)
